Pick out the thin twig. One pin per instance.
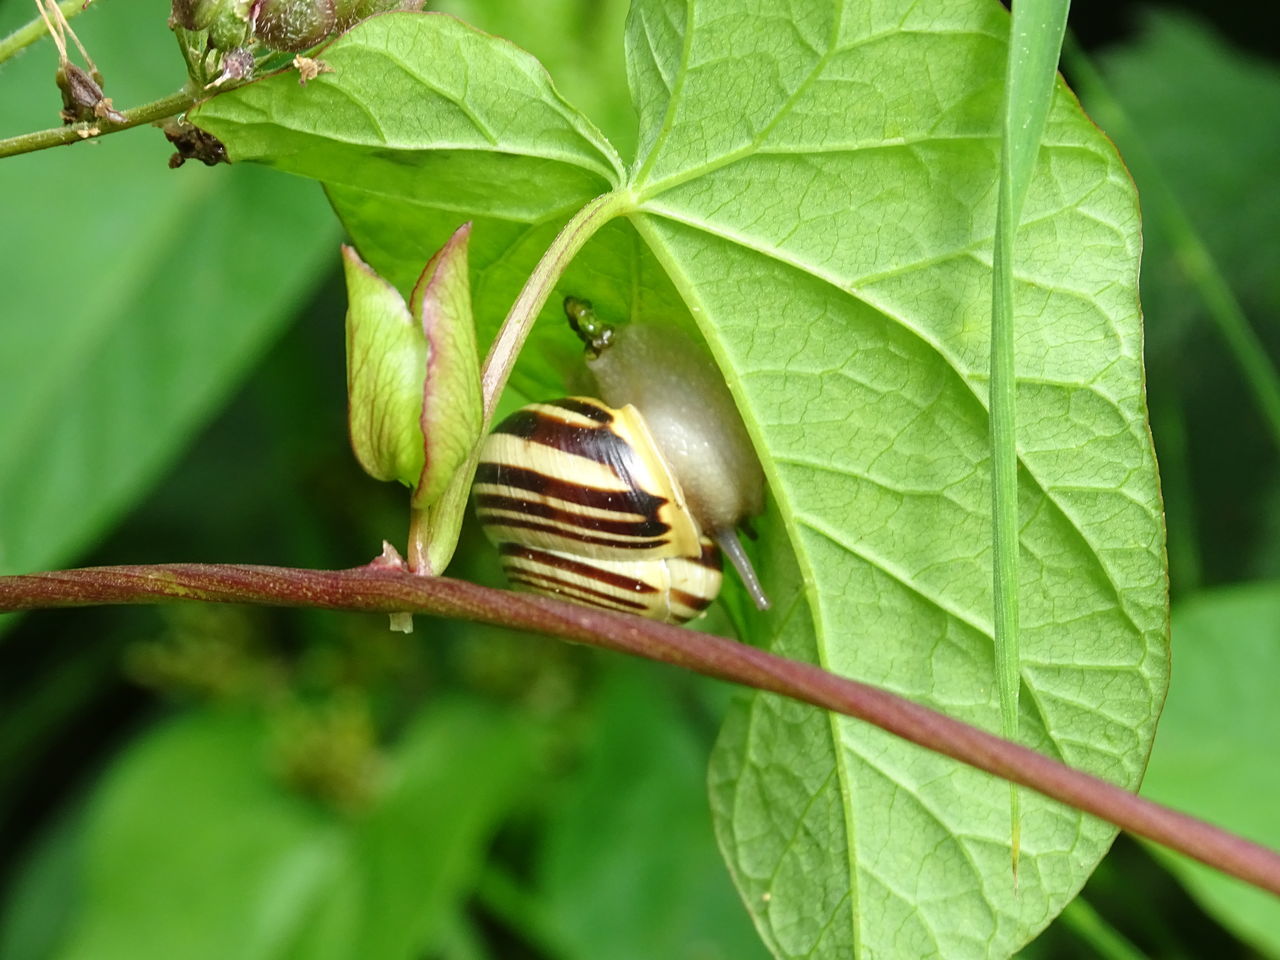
(379, 589)
(169, 106)
(33, 30)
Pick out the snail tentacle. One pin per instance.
(727, 541)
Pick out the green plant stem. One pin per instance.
(532, 297)
(169, 106)
(379, 588)
(30, 32)
(419, 533)
(1159, 201)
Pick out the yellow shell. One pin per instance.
(582, 506)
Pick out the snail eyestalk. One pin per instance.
(727, 541)
(591, 330)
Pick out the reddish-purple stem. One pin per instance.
(385, 590)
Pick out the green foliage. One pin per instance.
(1218, 735)
(133, 301)
(602, 876)
(824, 220)
(191, 849)
(1209, 291)
(870, 230)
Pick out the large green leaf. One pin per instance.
(1217, 745)
(193, 850)
(815, 192)
(135, 296)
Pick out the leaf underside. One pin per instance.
(816, 193)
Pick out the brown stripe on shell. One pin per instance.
(522, 478)
(545, 583)
(568, 565)
(597, 444)
(690, 600)
(710, 556)
(583, 408)
(563, 533)
(488, 502)
(580, 599)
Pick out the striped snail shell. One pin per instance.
(621, 502)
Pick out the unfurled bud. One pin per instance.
(413, 375)
(293, 25)
(386, 370)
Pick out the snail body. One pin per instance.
(621, 502)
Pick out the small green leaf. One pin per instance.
(386, 369)
(425, 122)
(193, 850)
(452, 413)
(516, 149)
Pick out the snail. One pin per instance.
(625, 502)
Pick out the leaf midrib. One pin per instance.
(688, 293)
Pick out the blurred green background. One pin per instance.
(227, 782)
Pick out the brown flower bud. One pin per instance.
(293, 25)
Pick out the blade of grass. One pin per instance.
(1185, 572)
(1035, 42)
(1104, 940)
(1160, 202)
